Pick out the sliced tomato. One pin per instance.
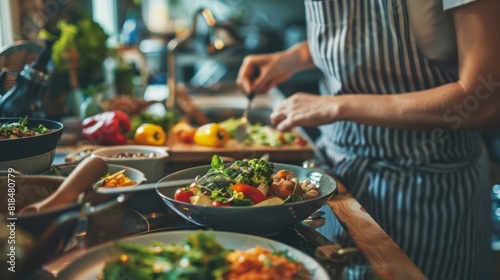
(183, 194)
(249, 192)
(218, 203)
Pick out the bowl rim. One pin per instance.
(319, 197)
(161, 152)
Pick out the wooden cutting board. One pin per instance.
(183, 152)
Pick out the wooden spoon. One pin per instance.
(82, 178)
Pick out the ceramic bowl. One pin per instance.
(30, 165)
(27, 147)
(132, 173)
(152, 167)
(262, 220)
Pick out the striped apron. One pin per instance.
(429, 190)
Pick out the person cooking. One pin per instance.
(400, 121)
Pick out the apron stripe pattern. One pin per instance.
(429, 192)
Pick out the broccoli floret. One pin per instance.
(251, 172)
(262, 171)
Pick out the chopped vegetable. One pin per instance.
(183, 194)
(117, 179)
(262, 135)
(249, 192)
(273, 200)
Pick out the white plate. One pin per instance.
(91, 263)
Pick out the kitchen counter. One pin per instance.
(145, 212)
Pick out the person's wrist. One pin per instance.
(339, 109)
(297, 57)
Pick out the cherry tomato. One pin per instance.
(249, 192)
(300, 141)
(183, 194)
(218, 203)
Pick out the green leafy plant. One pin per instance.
(84, 36)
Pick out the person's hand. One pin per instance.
(305, 109)
(259, 73)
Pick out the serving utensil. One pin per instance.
(82, 178)
(242, 129)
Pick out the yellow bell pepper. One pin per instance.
(150, 134)
(212, 135)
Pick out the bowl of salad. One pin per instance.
(248, 196)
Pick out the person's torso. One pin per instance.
(368, 46)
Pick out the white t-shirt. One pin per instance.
(433, 28)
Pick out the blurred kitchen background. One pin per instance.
(138, 32)
(147, 25)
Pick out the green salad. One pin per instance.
(200, 257)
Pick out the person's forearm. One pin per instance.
(299, 57)
(450, 107)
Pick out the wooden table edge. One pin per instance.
(379, 249)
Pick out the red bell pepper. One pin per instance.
(249, 192)
(108, 128)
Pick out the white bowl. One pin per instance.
(30, 165)
(132, 173)
(153, 168)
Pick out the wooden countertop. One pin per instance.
(378, 248)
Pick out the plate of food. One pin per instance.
(194, 255)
